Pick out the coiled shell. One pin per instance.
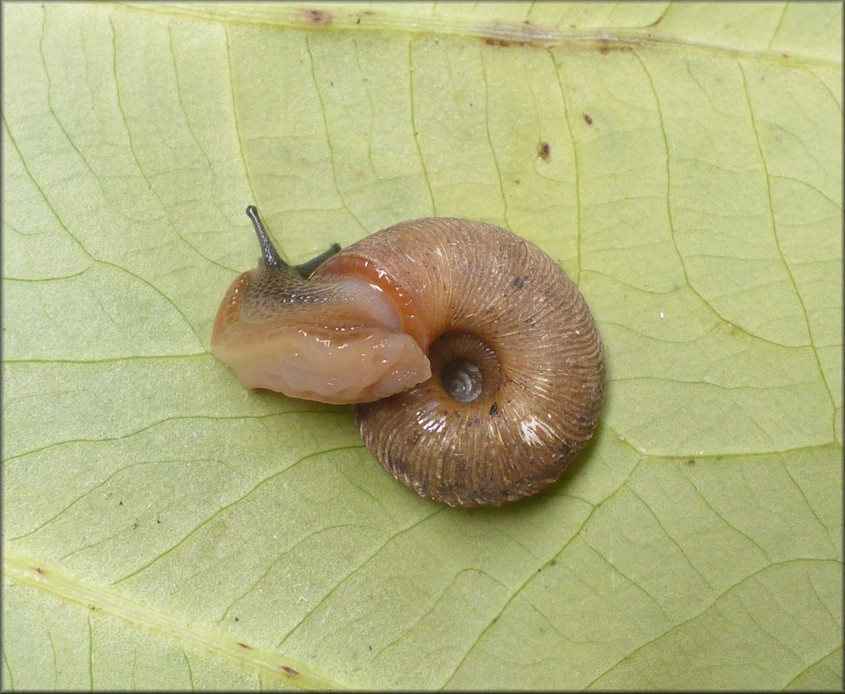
(474, 294)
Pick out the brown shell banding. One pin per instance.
(500, 291)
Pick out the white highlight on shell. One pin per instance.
(529, 431)
(435, 425)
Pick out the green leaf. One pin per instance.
(165, 528)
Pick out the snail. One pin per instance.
(472, 360)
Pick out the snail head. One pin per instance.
(335, 340)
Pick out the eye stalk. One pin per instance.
(270, 256)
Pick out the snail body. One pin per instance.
(473, 361)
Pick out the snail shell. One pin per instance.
(473, 361)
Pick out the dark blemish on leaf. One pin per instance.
(504, 43)
(588, 119)
(553, 562)
(244, 645)
(494, 410)
(690, 463)
(120, 503)
(290, 671)
(318, 17)
(544, 151)
(39, 570)
(607, 45)
(237, 619)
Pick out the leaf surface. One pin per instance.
(164, 528)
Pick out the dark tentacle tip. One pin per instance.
(269, 255)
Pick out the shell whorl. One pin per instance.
(472, 293)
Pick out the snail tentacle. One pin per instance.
(306, 269)
(270, 257)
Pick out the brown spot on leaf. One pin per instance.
(244, 645)
(588, 119)
(544, 151)
(317, 17)
(290, 671)
(505, 43)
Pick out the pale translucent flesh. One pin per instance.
(343, 351)
(369, 365)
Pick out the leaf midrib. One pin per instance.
(39, 575)
(501, 34)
